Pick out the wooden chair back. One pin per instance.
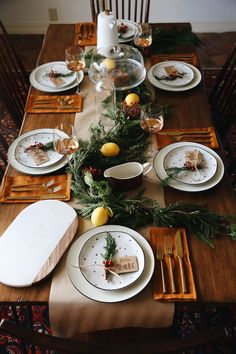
(134, 10)
(3, 155)
(14, 82)
(116, 345)
(223, 96)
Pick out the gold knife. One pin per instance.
(189, 132)
(67, 107)
(180, 254)
(38, 197)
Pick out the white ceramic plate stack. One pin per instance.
(173, 156)
(191, 76)
(39, 78)
(21, 160)
(129, 34)
(85, 267)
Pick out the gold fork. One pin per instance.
(168, 252)
(160, 257)
(44, 185)
(197, 138)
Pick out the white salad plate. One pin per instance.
(23, 156)
(129, 34)
(54, 89)
(91, 260)
(86, 288)
(11, 154)
(159, 72)
(176, 158)
(196, 80)
(41, 74)
(158, 164)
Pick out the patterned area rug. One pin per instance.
(189, 319)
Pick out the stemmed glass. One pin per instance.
(143, 36)
(151, 121)
(65, 139)
(75, 62)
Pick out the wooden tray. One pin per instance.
(34, 242)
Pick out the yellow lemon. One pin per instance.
(99, 216)
(109, 63)
(132, 99)
(110, 149)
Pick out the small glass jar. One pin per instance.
(105, 99)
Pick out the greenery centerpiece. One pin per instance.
(96, 195)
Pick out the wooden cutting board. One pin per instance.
(34, 242)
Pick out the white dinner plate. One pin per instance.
(91, 260)
(196, 80)
(33, 170)
(41, 74)
(159, 72)
(129, 34)
(24, 157)
(158, 164)
(42, 88)
(177, 158)
(87, 289)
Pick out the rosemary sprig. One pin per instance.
(174, 171)
(56, 74)
(110, 250)
(46, 147)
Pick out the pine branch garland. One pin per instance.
(87, 166)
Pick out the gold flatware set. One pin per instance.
(87, 30)
(201, 136)
(57, 104)
(166, 250)
(54, 102)
(86, 33)
(37, 188)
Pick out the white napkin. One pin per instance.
(107, 33)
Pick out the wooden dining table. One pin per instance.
(214, 268)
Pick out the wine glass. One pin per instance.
(151, 121)
(75, 61)
(65, 139)
(143, 36)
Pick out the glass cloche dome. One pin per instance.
(122, 62)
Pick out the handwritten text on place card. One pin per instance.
(125, 264)
(39, 156)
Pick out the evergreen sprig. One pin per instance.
(136, 211)
(139, 211)
(110, 251)
(166, 41)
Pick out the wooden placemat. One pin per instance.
(85, 33)
(190, 58)
(51, 104)
(164, 140)
(38, 192)
(157, 235)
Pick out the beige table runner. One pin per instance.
(71, 312)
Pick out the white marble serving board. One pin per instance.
(34, 242)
